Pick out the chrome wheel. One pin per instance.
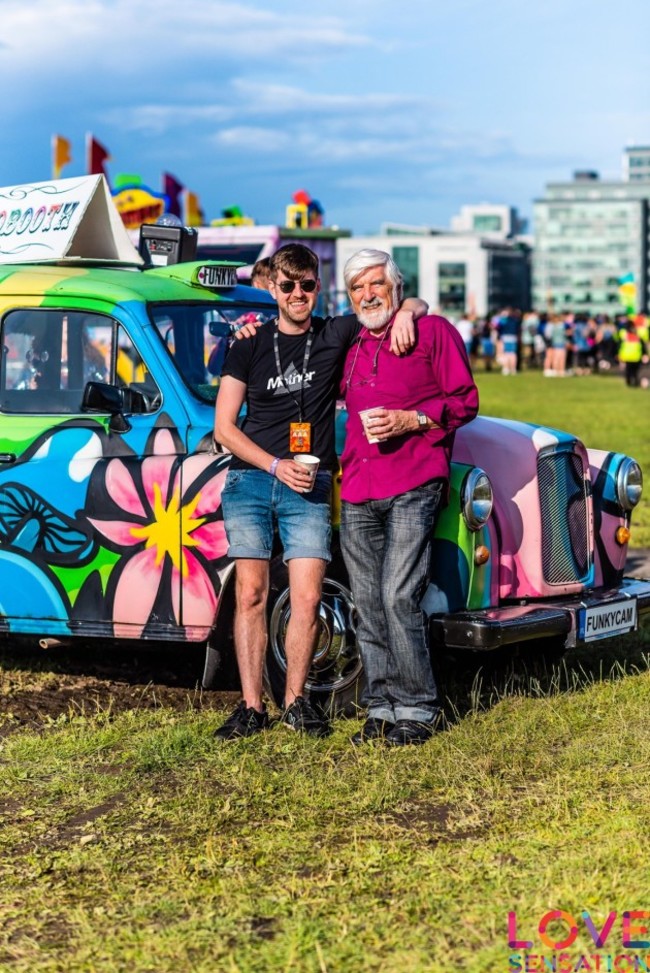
(336, 668)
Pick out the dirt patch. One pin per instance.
(422, 815)
(435, 822)
(38, 687)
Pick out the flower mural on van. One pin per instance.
(169, 530)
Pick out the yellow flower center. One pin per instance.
(171, 528)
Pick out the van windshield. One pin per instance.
(197, 336)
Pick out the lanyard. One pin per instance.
(373, 373)
(305, 363)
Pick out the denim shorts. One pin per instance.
(255, 503)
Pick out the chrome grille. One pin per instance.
(563, 502)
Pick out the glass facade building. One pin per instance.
(455, 273)
(589, 237)
(636, 163)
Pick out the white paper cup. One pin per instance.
(366, 421)
(311, 464)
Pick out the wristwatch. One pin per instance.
(423, 421)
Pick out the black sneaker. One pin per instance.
(301, 716)
(372, 729)
(409, 733)
(243, 722)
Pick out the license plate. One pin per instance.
(604, 621)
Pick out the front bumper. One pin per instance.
(492, 628)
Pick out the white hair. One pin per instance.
(363, 259)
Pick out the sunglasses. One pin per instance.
(288, 286)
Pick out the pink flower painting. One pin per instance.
(169, 530)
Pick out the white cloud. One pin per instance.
(279, 99)
(341, 142)
(152, 38)
(159, 120)
(262, 141)
(291, 107)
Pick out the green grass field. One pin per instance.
(600, 409)
(133, 842)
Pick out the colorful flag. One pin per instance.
(627, 292)
(97, 155)
(60, 154)
(172, 189)
(194, 215)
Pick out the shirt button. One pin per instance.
(372, 384)
(365, 460)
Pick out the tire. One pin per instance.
(334, 683)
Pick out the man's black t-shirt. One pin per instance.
(270, 407)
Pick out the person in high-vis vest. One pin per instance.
(632, 351)
(643, 329)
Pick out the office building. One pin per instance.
(494, 221)
(591, 236)
(455, 273)
(636, 163)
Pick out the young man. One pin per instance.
(288, 375)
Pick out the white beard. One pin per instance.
(375, 320)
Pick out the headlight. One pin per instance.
(476, 498)
(629, 484)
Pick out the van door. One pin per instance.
(74, 493)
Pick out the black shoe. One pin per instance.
(243, 722)
(372, 729)
(407, 732)
(301, 716)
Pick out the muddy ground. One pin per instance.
(38, 685)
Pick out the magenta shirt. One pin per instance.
(435, 378)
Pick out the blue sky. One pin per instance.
(398, 111)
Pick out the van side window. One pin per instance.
(48, 356)
(131, 371)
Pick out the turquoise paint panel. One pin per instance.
(33, 594)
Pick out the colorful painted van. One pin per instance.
(110, 485)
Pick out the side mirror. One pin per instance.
(116, 401)
(220, 329)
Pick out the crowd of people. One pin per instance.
(559, 344)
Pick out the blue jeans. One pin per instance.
(387, 550)
(254, 503)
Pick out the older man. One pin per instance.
(395, 478)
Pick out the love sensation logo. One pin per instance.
(558, 931)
